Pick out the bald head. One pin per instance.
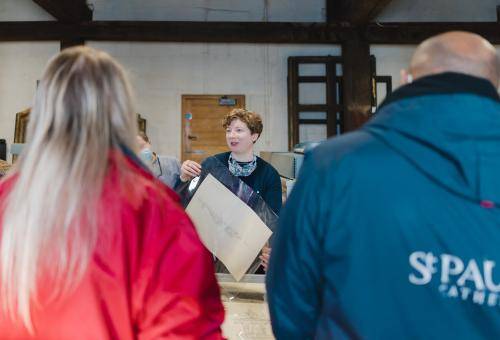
(460, 52)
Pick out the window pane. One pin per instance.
(312, 132)
(338, 94)
(312, 93)
(381, 92)
(312, 115)
(312, 70)
(338, 69)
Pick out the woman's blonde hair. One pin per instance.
(82, 110)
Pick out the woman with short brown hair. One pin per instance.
(243, 128)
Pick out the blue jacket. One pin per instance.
(393, 231)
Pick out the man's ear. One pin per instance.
(406, 77)
(255, 136)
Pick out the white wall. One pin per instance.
(210, 10)
(439, 10)
(162, 72)
(22, 10)
(21, 65)
(392, 58)
(286, 10)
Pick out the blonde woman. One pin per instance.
(91, 247)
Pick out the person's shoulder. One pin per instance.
(353, 150)
(169, 160)
(223, 156)
(151, 209)
(216, 159)
(137, 185)
(345, 146)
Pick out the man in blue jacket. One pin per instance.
(393, 231)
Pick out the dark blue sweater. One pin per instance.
(264, 180)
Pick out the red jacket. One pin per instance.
(150, 276)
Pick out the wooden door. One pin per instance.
(202, 132)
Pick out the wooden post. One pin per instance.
(293, 101)
(356, 82)
(65, 43)
(71, 12)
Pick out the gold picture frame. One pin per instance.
(141, 123)
(21, 127)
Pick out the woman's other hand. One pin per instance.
(264, 257)
(189, 170)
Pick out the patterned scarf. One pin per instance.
(241, 169)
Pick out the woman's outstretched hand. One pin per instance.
(189, 170)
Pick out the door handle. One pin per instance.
(192, 137)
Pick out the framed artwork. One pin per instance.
(141, 123)
(22, 119)
(21, 126)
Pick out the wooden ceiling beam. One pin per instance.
(414, 33)
(224, 32)
(36, 30)
(178, 31)
(67, 11)
(358, 12)
(239, 32)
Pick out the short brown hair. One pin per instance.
(251, 119)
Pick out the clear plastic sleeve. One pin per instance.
(217, 169)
